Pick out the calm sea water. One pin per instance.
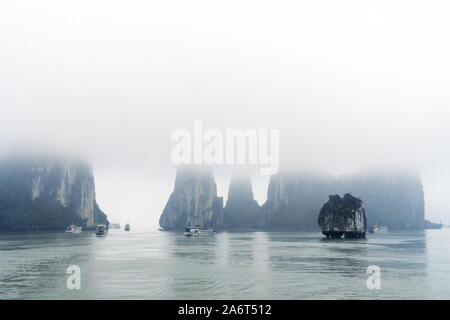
(150, 264)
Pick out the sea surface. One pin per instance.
(152, 264)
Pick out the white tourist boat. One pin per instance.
(197, 231)
(73, 229)
(380, 229)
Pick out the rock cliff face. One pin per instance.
(193, 201)
(294, 199)
(47, 192)
(392, 198)
(241, 210)
(343, 217)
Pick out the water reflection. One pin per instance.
(222, 250)
(262, 275)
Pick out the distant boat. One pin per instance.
(101, 230)
(127, 227)
(431, 225)
(379, 229)
(73, 229)
(197, 231)
(114, 225)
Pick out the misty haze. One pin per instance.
(354, 98)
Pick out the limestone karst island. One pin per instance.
(297, 201)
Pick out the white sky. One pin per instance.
(350, 84)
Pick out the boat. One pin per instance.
(127, 227)
(379, 229)
(432, 225)
(198, 231)
(73, 229)
(101, 230)
(114, 225)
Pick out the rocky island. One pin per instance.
(242, 210)
(194, 200)
(47, 192)
(391, 198)
(343, 217)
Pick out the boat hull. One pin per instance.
(380, 230)
(196, 232)
(74, 230)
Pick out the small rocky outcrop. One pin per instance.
(194, 200)
(242, 209)
(343, 217)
